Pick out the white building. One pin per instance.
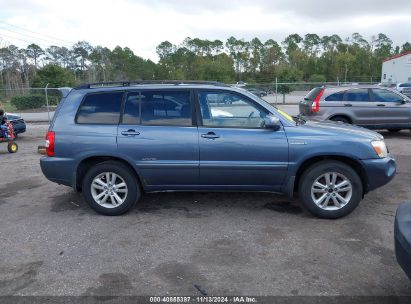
(397, 69)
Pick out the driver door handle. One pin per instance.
(130, 132)
(210, 135)
(381, 105)
(348, 105)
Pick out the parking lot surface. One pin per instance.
(52, 243)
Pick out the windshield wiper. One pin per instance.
(299, 119)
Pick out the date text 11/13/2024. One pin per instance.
(203, 299)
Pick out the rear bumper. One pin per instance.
(305, 108)
(402, 236)
(58, 170)
(19, 128)
(379, 171)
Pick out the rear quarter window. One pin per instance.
(339, 96)
(100, 108)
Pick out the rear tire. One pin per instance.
(338, 199)
(342, 119)
(111, 188)
(12, 147)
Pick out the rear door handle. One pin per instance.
(380, 105)
(348, 105)
(210, 135)
(130, 132)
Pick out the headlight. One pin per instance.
(380, 148)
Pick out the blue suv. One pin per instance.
(115, 141)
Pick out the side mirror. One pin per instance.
(272, 122)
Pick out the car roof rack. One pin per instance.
(349, 85)
(142, 82)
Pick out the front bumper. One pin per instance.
(402, 236)
(379, 171)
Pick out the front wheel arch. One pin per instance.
(356, 165)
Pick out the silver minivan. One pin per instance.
(373, 107)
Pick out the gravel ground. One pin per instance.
(51, 243)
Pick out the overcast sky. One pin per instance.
(142, 25)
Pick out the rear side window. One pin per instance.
(357, 95)
(381, 95)
(158, 108)
(335, 97)
(100, 108)
(405, 85)
(131, 115)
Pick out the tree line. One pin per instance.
(308, 58)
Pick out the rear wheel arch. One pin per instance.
(88, 162)
(354, 164)
(343, 116)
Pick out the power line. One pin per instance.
(16, 38)
(44, 35)
(30, 36)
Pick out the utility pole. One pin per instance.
(47, 102)
(345, 73)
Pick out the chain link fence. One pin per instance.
(29, 99)
(273, 92)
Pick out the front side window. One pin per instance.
(158, 108)
(357, 95)
(100, 108)
(225, 109)
(381, 95)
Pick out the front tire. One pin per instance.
(330, 189)
(111, 188)
(341, 119)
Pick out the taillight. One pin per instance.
(50, 140)
(316, 103)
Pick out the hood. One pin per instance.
(339, 128)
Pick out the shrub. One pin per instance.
(53, 97)
(28, 101)
(317, 78)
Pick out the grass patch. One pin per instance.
(7, 106)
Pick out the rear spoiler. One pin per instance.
(65, 91)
